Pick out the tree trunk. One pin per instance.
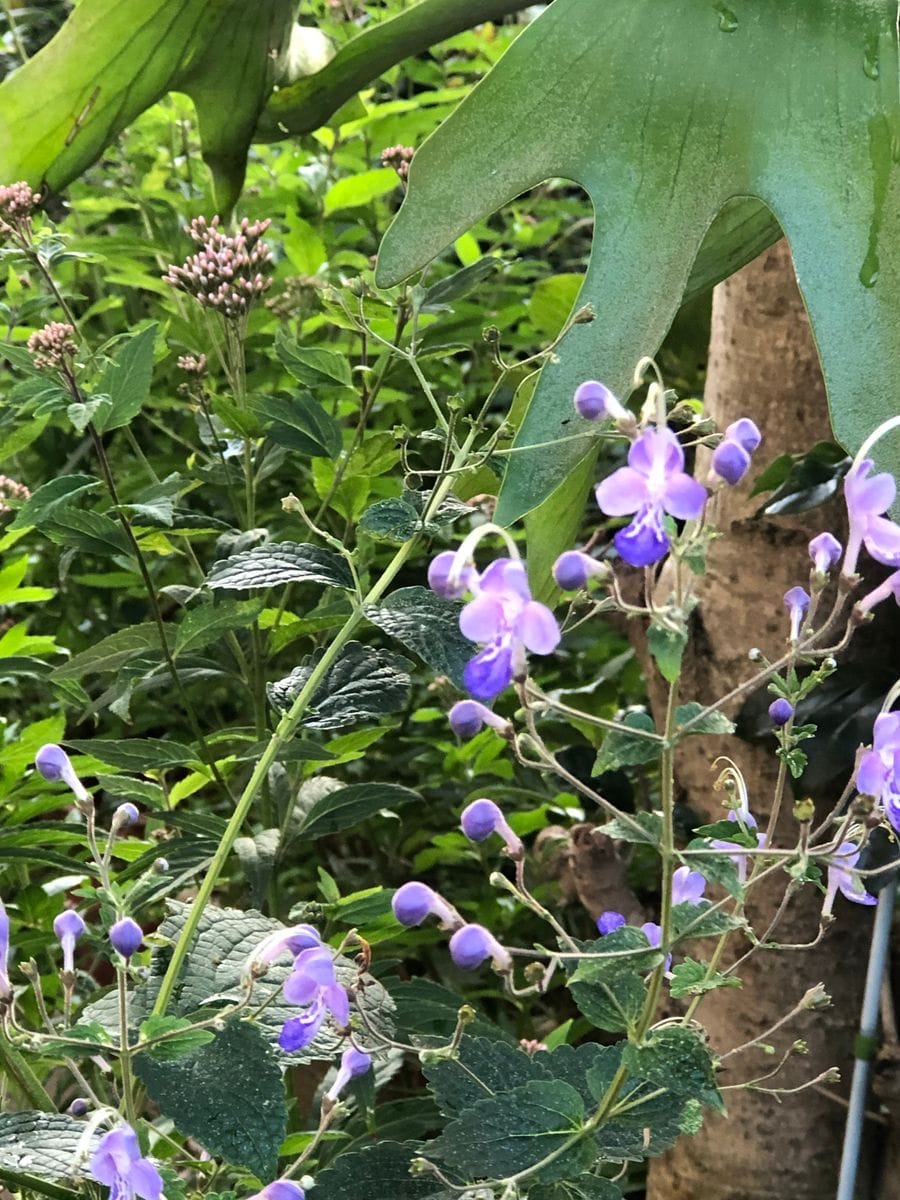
(763, 363)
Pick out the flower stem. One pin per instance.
(124, 1048)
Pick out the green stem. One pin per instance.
(15, 1066)
(14, 31)
(124, 1048)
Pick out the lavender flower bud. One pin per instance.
(482, 818)
(468, 717)
(78, 1107)
(781, 711)
(68, 927)
(353, 1063)
(473, 944)
(745, 432)
(730, 461)
(53, 763)
(594, 401)
(449, 579)
(125, 814)
(609, 922)
(825, 551)
(796, 601)
(574, 568)
(414, 901)
(126, 936)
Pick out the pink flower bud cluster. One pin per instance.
(10, 489)
(398, 157)
(17, 205)
(192, 364)
(227, 272)
(52, 347)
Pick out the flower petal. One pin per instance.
(886, 731)
(869, 496)
(489, 672)
(537, 627)
(482, 619)
(882, 540)
(621, 493)
(644, 541)
(506, 578)
(871, 775)
(683, 497)
(145, 1180)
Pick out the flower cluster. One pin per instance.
(17, 206)
(52, 347)
(731, 458)
(398, 157)
(311, 985)
(11, 489)
(192, 364)
(228, 272)
(502, 617)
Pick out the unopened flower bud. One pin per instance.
(730, 461)
(745, 432)
(125, 814)
(68, 927)
(804, 810)
(781, 711)
(574, 568)
(469, 717)
(796, 601)
(126, 936)
(816, 997)
(609, 922)
(755, 654)
(473, 944)
(593, 401)
(449, 579)
(481, 818)
(414, 901)
(160, 866)
(824, 551)
(78, 1107)
(54, 764)
(353, 1063)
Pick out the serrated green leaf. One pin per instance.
(624, 831)
(379, 1172)
(621, 749)
(363, 685)
(515, 1131)
(41, 1144)
(349, 806)
(112, 652)
(483, 1068)
(136, 754)
(392, 521)
(691, 978)
(611, 992)
(126, 380)
(698, 921)
(426, 625)
(677, 1059)
(207, 623)
(714, 722)
(91, 532)
(180, 1038)
(300, 423)
(55, 494)
(228, 1094)
(313, 366)
(666, 647)
(280, 562)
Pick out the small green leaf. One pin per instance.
(91, 532)
(622, 749)
(691, 978)
(112, 652)
(460, 283)
(127, 380)
(667, 646)
(426, 625)
(208, 622)
(352, 191)
(714, 722)
(363, 685)
(228, 1094)
(280, 562)
(803, 481)
(180, 1038)
(349, 806)
(611, 991)
(700, 920)
(300, 423)
(483, 1068)
(391, 521)
(717, 868)
(624, 831)
(729, 831)
(313, 366)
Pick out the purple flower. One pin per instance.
(507, 622)
(68, 927)
(117, 1163)
(5, 985)
(468, 717)
(824, 551)
(745, 433)
(609, 922)
(473, 944)
(796, 601)
(736, 852)
(574, 568)
(482, 818)
(53, 763)
(125, 814)
(285, 941)
(353, 1063)
(126, 936)
(730, 461)
(450, 584)
(654, 483)
(414, 902)
(313, 984)
(653, 933)
(280, 1189)
(841, 878)
(687, 886)
(781, 711)
(878, 773)
(594, 400)
(867, 497)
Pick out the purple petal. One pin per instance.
(730, 461)
(299, 988)
(145, 1180)
(653, 933)
(687, 886)
(882, 540)
(683, 497)
(872, 773)
(886, 731)
(338, 1003)
(298, 1032)
(644, 541)
(483, 619)
(656, 449)
(745, 432)
(537, 628)
(623, 492)
(825, 550)
(506, 578)
(608, 922)
(869, 496)
(490, 671)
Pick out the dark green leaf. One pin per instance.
(667, 646)
(350, 806)
(460, 283)
(691, 978)
(58, 493)
(696, 921)
(582, 1187)
(391, 521)
(207, 623)
(714, 722)
(624, 831)
(313, 366)
(228, 1094)
(257, 856)
(363, 685)
(379, 1172)
(127, 380)
(136, 754)
(41, 1144)
(676, 1058)
(426, 625)
(628, 750)
(300, 423)
(91, 532)
(112, 652)
(482, 1069)
(611, 991)
(810, 479)
(280, 562)
(717, 868)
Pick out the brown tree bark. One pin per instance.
(763, 363)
